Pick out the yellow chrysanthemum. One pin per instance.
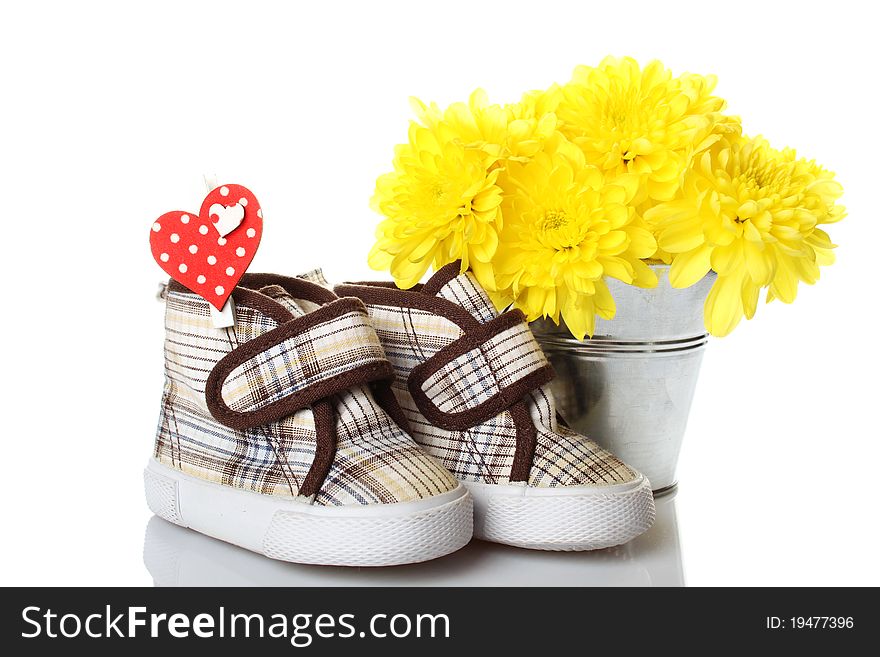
(644, 121)
(566, 228)
(441, 204)
(503, 132)
(540, 102)
(752, 214)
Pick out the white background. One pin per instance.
(111, 114)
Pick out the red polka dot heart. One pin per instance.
(209, 252)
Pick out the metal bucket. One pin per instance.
(630, 387)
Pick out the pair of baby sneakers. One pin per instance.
(371, 426)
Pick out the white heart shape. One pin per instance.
(228, 217)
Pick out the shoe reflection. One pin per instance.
(175, 556)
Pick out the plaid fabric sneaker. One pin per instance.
(281, 434)
(473, 386)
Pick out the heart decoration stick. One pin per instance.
(209, 252)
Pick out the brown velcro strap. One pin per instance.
(296, 364)
(484, 372)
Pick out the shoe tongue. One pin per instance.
(282, 296)
(462, 290)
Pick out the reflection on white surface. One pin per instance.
(175, 556)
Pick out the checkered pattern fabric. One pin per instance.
(566, 458)
(375, 462)
(411, 336)
(464, 291)
(316, 276)
(316, 354)
(483, 372)
(485, 453)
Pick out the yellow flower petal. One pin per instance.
(760, 262)
(784, 285)
(485, 276)
(727, 259)
(617, 268)
(680, 238)
(579, 315)
(691, 266)
(643, 275)
(642, 243)
(613, 242)
(750, 294)
(724, 305)
(485, 248)
(378, 258)
(603, 302)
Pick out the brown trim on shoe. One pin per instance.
(266, 305)
(526, 440)
(506, 397)
(298, 288)
(325, 450)
(378, 294)
(384, 396)
(391, 285)
(302, 398)
(441, 277)
(245, 297)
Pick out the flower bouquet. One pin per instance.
(615, 201)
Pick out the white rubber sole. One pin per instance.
(562, 518)
(295, 530)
